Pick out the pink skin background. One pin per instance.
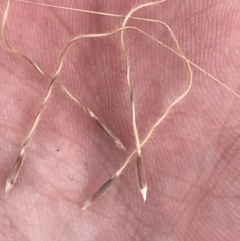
(192, 160)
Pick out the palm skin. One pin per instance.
(191, 161)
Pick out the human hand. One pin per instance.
(191, 160)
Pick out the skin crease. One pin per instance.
(191, 161)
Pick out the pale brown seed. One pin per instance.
(142, 177)
(14, 173)
(99, 192)
(116, 140)
(121, 169)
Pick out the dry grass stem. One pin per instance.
(107, 130)
(138, 144)
(19, 161)
(139, 163)
(136, 18)
(140, 169)
(10, 47)
(101, 190)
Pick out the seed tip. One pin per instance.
(86, 205)
(8, 186)
(144, 193)
(121, 146)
